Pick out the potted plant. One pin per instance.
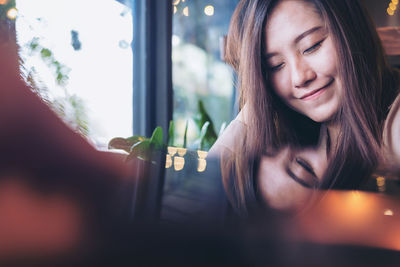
(146, 156)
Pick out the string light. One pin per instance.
(185, 11)
(201, 166)
(181, 151)
(168, 161)
(392, 7)
(172, 150)
(202, 163)
(380, 182)
(179, 163)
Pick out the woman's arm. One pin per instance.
(391, 134)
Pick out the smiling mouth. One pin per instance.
(315, 93)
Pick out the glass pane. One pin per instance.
(78, 55)
(198, 71)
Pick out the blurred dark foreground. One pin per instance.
(64, 203)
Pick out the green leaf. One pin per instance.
(34, 44)
(119, 143)
(45, 53)
(125, 143)
(157, 138)
(201, 118)
(171, 133)
(141, 150)
(134, 139)
(185, 135)
(61, 78)
(203, 133)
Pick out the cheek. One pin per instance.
(284, 194)
(281, 85)
(327, 61)
(277, 190)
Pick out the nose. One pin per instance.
(302, 73)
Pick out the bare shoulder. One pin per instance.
(391, 134)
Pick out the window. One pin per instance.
(79, 55)
(198, 72)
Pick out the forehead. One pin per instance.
(289, 18)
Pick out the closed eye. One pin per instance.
(276, 67)
(297, 179)
(302, 172)
(313, 48)
(305, 165)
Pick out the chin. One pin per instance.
(321, 119)
(324, 114)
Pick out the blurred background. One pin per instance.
(83, 58)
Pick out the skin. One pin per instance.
(286, 180)
(302, 62)
(302, 59)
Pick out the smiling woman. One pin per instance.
(294, 94)
(302, 61)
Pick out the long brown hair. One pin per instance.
(369, 89)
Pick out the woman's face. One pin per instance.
(286, 180)
(302, 60)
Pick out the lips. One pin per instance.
(315, 93)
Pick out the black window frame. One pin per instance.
(152, 65)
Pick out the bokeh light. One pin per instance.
(209, 10)
(12, 13)
(185, 11)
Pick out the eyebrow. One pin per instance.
(304, 34)
(298, 39)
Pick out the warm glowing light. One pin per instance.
(175, 9)
(172, 150)
(388, 212)
(209, 10)
(185, 11)
(392, 6)
(3, 2)
(395, 2)
(390, 12)
(12, 13)
(181, 151)
(202, 154)
(176, 2)
(380, 182)
(179, 163)
(202, 164)
(168, 161)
